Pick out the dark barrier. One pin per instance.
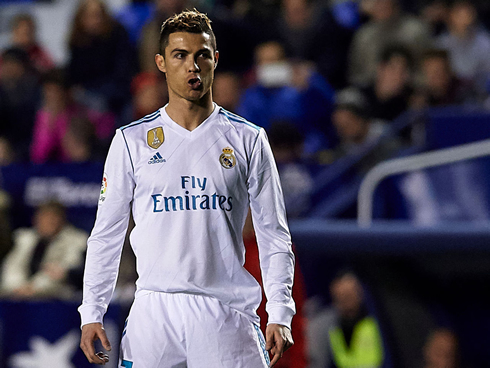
(417, 279)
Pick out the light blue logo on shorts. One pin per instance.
(262, 344)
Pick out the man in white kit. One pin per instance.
(189, 173)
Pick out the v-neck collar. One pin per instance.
(185, 132)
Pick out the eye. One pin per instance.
(204, 55)
(179, 55)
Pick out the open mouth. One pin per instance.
(195, 83)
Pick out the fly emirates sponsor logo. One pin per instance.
(192, 201)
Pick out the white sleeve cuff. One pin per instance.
(281, 316)
(91, 314)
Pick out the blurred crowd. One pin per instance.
(325, 78)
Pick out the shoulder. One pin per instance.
(141, 124)
(24, 237)
(239, 123)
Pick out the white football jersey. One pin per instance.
(190, 192)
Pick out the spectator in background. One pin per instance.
(439, 86)
(42, 255)
(19, 98)
(387, 26)
(150, 34)
(288, 91)
(53, 120)
(332, 41)
(345, 335)
(79, 141)
(24, 37)
(150, 93)
(441, 350)
(391, 92)
(359, 132)
(468, 45)
(102, 59)
(296, 181)
(227, 90)
(434, 13)
(6, 152)
(134, 16)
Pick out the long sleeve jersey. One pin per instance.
(189, 192)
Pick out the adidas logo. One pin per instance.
(156, 159)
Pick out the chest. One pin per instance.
(172, 164)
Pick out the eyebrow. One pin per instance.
(187, 51)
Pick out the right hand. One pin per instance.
(90, 333)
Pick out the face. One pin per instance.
(189, 65)
(93, 18)
(462, 17)
(349, 126)
(436, 72)
(347, 295)
(48, 222)
(440, 351)
(23, 34)
(395, 71)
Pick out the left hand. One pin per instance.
(278, 340)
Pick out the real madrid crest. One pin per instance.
(155, 137)
(227, 158)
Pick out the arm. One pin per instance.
(105, 244)
(275, 251)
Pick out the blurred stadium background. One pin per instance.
(390, 96)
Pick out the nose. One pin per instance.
(194, 67)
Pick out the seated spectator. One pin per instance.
(358, 132)
(441, 350)
(149, 92)
(345, 335)
(227, 90)
(102, 59)
(19, 97)
(42, 255)
(391, 92)
(387, 26)
(439, 85)
(24, 37)
(53, 120)
(468, 45)
(288, 91)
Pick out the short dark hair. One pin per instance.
(191, 21)
(436, 54)
(392, 51)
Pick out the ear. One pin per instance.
(216, 57)
(160, 61)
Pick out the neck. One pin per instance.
(190, 114)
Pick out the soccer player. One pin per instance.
(189, 173)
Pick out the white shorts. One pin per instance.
(166, 330)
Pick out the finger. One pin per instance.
(275, 359)
(104, 340)
(270, 339)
